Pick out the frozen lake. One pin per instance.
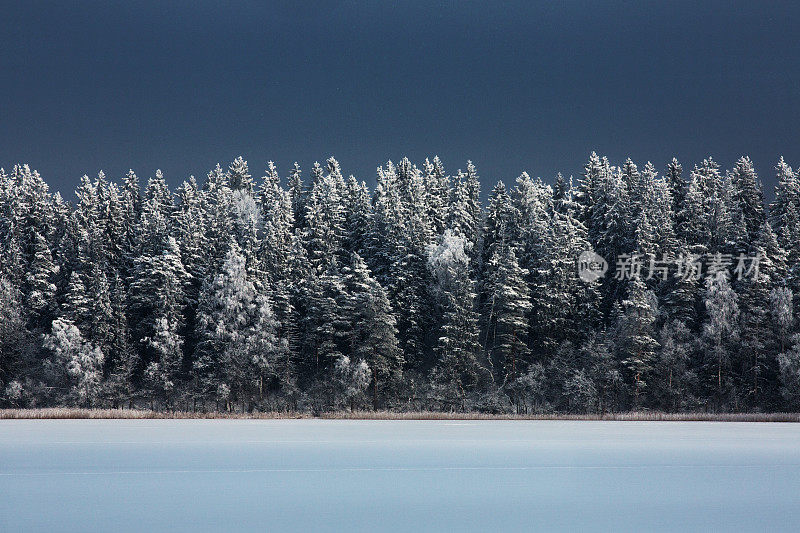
(314, 475)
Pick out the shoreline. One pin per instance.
(64, 413)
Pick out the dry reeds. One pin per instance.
(124, 414)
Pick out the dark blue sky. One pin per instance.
(513, 86)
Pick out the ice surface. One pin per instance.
(317, 475)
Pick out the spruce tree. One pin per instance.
(507, 308)
(39, 288)
(747, 203)
(437, 187)
(237, 331)
(789, 365)
(457, 371)
(673, 376)
(720, 333)
(238, 176)
(373, 331)
(679, 188)
(636, 338)
(157, 304)
(75, 362)
(14, 345)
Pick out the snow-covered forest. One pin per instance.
(306, 290)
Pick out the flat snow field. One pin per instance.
(348, 475)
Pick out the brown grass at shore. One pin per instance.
(56, 413)
(124, 414)
(622, 417)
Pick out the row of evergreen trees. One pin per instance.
(320, 294)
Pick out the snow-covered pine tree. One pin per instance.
(563, 306)
(77, 307)
(473, 195)
(217, 202)
(122, 361)
(74, 363)
(189, 223)
(297, 194)
(397, 256)
(154, 223)
(782, 316)
(787, 196)
(357, 216)
(531, 200)
(98, 290)
(720, 334)
(131, 206)
(614, 229)
(413, 206)
(131, 197)
(275, 256)
(679, 188)
(410, 183)
(680, 294)
(500, 223)
(247, 224)
(507, 308)
(784, 217)
(301, 284)
(634, 184)
(116, 228)
(38, 288)
(11, 257)
(278, 216)
(15, 345)
(635, 338)
(372, 333)
(324, 216)
(237, 331)
(31, 208)
(586, 195)
(709, 222)
(324, 330)
(789, 365)
(157, 302)
(385, 231)
(747, 204)
(673, 378)
(238, 176)
(562, 194)
(270, 182)
(653, 217)
(457, 371)
(464, 217)
(437, 187)
(755, 366)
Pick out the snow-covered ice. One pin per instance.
(338, 475)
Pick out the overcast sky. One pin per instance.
(513, 86)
